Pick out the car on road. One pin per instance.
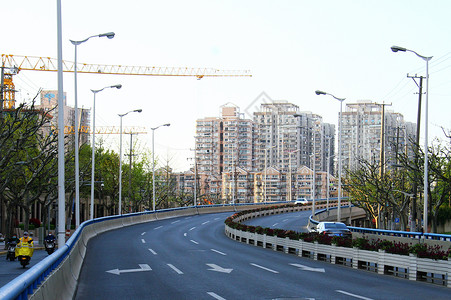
(301, 201)
(333, 229)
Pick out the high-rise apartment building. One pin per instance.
(362, 123)
(289, 138)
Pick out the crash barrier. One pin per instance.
(409, 267)
(320, 215)
(56, 276)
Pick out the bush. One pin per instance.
(433, 252)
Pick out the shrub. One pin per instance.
(433, 252)
(342, 241)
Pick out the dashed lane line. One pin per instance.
(219, 252)
(193, 241)
(175, 269)
(175, 222)
(153, 252)
(354, 295)
(263, 268)
(157, 227)
(216, 296)
(143, 233)
(205, 222)
(192, 228)
(143, 241)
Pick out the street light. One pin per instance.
(120, 158)
(109, 35)
(153, 163)
(117, 86)
(339, 149)
(426, 183)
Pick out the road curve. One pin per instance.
(191, 258)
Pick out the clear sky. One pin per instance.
(291, 47)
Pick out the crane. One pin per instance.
(104, 130)
(13, 64)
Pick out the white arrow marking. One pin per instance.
(218, 252)
(216, 296)
(153, 252)
(175, 269)
(307, 268)
(192, 241)
(218, 268)
(255, 265)
(143, 267)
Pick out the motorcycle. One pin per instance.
(11, 253)
(24, 252)
(49, 246)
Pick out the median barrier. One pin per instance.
(409, 267)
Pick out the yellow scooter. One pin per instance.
(24, 252)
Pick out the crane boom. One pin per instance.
(105, 130)
(36, 63)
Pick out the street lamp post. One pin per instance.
(153, 162)
(109, 35)
(117, 86)
(120, 158)
(340, 129)
(426, 183)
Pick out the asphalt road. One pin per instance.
(191, 258)
(11, 269)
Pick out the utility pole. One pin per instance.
(130, 171)
(413, 207)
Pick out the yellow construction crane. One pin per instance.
(105, 130)
(34, 63)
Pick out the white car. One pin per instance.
(301, 201)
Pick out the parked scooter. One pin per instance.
(11, 253)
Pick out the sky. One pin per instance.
(291, 48)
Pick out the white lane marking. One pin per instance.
(255, 265)
(175, 222)
(274, 225)
(175, 269)
(217, 219)
(216, 296)
(157, 227)
(285, 220)
(143, 233)
(143, 241)
(188, 218)
(142, 267)
(353, 295)
(218, 252)
(217, 268)
(307, 268)
(205, 222)
(153, 252)
(192, 228)
(185, 234)
(194, 242)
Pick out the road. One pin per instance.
(191, 258)
(11, 269)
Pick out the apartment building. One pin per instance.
(289, 138)
(361, 135)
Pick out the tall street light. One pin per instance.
(109, 35)
(340, 129)
(117, 86)
(120, 158)
(426, 183)
(153, 162)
